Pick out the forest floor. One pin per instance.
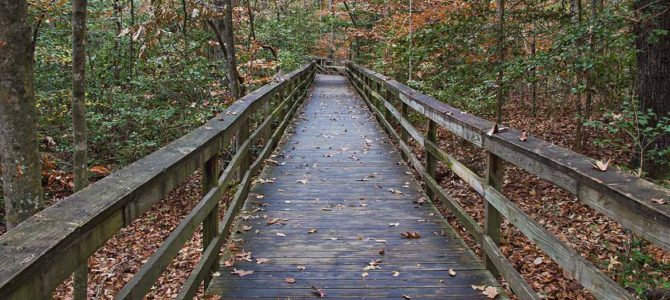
(590, 233)
(601, 240)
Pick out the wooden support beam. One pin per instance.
(494, 178)
(210, 176)
(431, 160)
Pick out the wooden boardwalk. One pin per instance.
(333, 217)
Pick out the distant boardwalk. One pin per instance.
(332, 219)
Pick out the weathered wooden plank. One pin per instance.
(518, 285)
(37, 265)
(347, 236)
(578, 267)
(623, 197)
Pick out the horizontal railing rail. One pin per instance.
(42, 252)
(624, 198)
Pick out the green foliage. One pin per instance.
(636, 260)
(641, 128)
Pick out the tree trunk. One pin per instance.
(19, 152)
(225, 27)
(653, 70)
(79, 121)
(500, 97)
(131, 43)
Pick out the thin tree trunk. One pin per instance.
(500, 97)
(79, 122)
(131, 60)
(226, 29)
(118, 11)
(653, 71)
(19, 152)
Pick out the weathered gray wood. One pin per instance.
(514, 279)
(210, 176)
(583, 271)
(494, 178)
(210, 253)
(347, 233)
(623, 197)
(39, 254)
(431, 161)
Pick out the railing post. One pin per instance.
(242, 136)
(266, 114)
(431, 160)
(210, 225)
(494, 178)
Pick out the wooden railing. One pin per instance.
(43, 251)
(622, 197)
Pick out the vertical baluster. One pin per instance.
(210, 225)
(242, 136)
(431, 160)
(494, 177)
(266, 114)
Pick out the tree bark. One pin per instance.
(225, 27)
(118, 11)
(653, 70)
(19, 152)
(79, 122)
(500, 97)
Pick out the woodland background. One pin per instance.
(566, 71)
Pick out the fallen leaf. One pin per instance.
(365, 274)
(394, 191)
(300, 268)
(406, 297)
(659, 201)
(229, 262)
(524, 136)
(396, 273)
(262, 260)
(490, 292)
(382, 251)
(241, 273)
(493, 130)
(411, 235)
(246, 228)
(394, 224)
(280, 234)
(216, 274)
(478, 287)
(303, 181)
(537, 261)
(312, 230)
(321, 293)
(452, 273)
(100, 171)
(601, 165)
(289, 280)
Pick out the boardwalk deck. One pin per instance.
(339, 174)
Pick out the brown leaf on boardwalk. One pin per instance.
(490, 292)
(406, 297)
(229, 262)
(452, 273)
(241, 273)
(289, 280)
(411, 234)
(321, 293)
(312, 230)
(262, 260)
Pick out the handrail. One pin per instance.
(624, 198)
(43, 251)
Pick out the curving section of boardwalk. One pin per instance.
(333, 216)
